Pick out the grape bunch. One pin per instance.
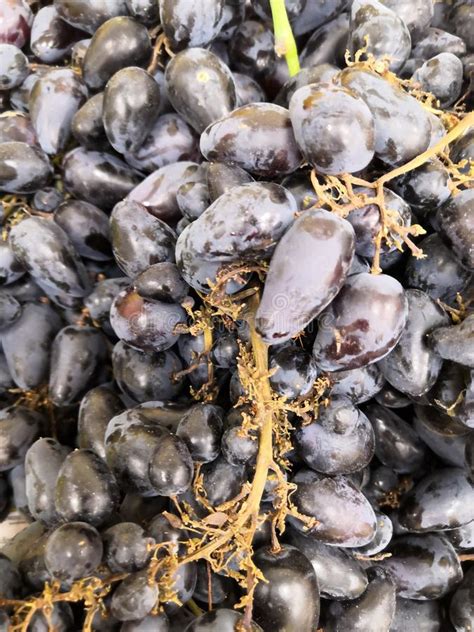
(237, 316)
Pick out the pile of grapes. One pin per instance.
(237, 315)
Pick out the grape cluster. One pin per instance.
(236, 315)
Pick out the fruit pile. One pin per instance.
(237, 315)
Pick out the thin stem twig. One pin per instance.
(284, 39)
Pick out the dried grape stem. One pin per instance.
(339, 196)
(420, 160)
(251, 506)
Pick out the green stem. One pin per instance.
(284, 39)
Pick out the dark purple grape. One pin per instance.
(318, 74)
(98, 177)
(339, 575)
(171, 467)
(145, 377)
(225, 351)
(104, 58)
(362, 324)
(193, 199)
(382, 538)
(444, 435)
(130, 108)
(387, 33)
(201, 430)
(130, 442)
(342, 124)
(10, 310)
(251, 48)
(16, 18)
(402, 125)
(47, 200)
(23, 169)
(345, 517)
(19, 427)
(287, 572)
(469, 457)
(257, 137)
(211, 585)
(247, 90)
(170, 140)
(86, 491)
(417, 14)
(462, 23)
(463, 148)
(326, 43)
(16, 126)
(51, 37)
(219, 620)
(27, 344)
(461, 609)
(441, 75)
(13, 66)
(88, 15)
(61, 619)
(97, 408)
(78, 52)
(87, 126)
(140, 509)
(64, 92)
(416, 616)
(359, 385)
(245, 222)
(126, 547)
(396, 443)
(423, 566)
(238, 448)
(158, 192)
(55, 264)
(222, 177)
(191, 25)
(340, 441)
(197, 272)
(320, 246)
(6, 380)
(161, 529)
(150, 623)
(455, 342)
(315, 14)
(221, 481)
(165, 414)
(10, 582)
(87, 227)
(100, 301)
(200, 87)
(371, 612)
(77, 353)
(438, 41)
(456, 227)
(145, 325)
(442, 500)
(366, 222)
(439, 274)
(161, 282)
(146, 11)
(411, 367)
(73, 551)
(295, 371)
(462, 538)
(139, 240)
